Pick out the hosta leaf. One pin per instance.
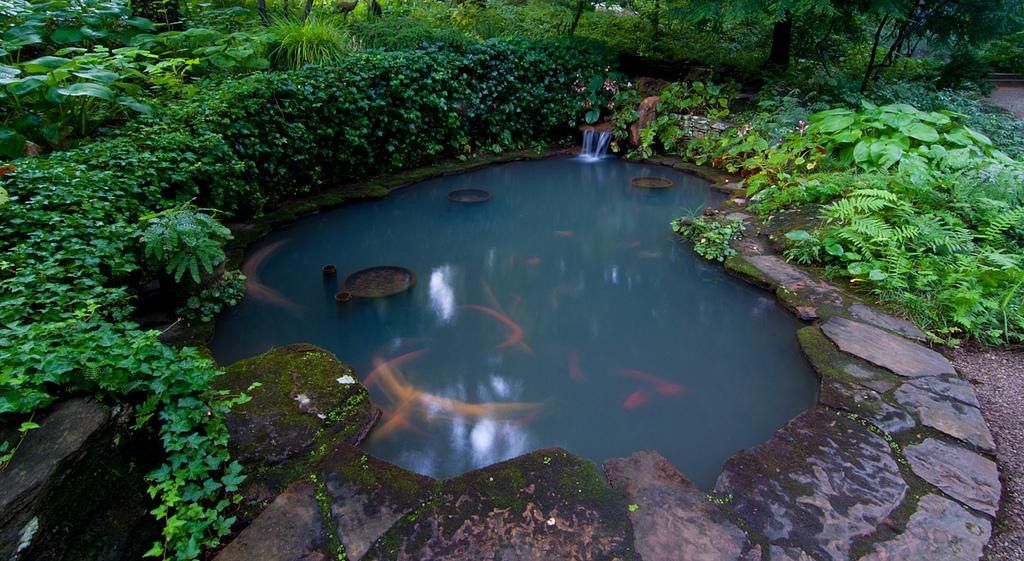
(134, 104)
(88, 89)
(63, 35)
(97, 74)
(921, 131)
(44, 64)
(12, 144)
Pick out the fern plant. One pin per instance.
(184, 239)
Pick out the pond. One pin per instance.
(561, 311)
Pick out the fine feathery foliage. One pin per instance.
(314, 40)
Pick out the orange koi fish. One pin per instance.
(565, 233)
(532, 262)
(637, 399)
(574, 367)
(515, 332)
(251, 268)
(661, 386)
(631, 244)
(381, 366)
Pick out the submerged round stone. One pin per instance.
(469, 196)
(650, 182)
(379, 282)
(564, 313)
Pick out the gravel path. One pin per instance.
(998, 377)
(1011, 98)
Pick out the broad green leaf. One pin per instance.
(22, 35)
(834, 249)
(835, 123)
(858, 268)
(134, 104)
(88, 89)
(93, 34)
(978, 137)
(862, 152)
(921, 131)
(799, 235)
(97, 74)
(44, 64)
(877, 275)
(960, 136)
(26, 85)
(63, 35)
(12, 144)
(140, 23)
(891, 153)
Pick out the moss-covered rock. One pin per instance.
(544, 505)
(306, 402)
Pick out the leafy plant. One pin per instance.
(184, 239)
(598, 93)
(205, 306)
(711, 237)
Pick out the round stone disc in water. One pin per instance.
(378, 282)
(469, 196)
(650, 183)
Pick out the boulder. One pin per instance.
(75, 488)
(306, 403)
(646, 112)
(290, 529)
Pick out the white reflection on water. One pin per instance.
(442, 297)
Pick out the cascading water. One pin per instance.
(595, 144)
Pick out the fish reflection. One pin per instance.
(573, 358)
(258, 290)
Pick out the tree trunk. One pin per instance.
(307, 10)
(261, 9)
(576, 16)
(782, 41)
(164, 13)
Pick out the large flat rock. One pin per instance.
(867, 403)
(939, 530)
(967, 477)
(42, 462)
(673, 519)
(367, 496)
(880, 347)
(818, 484)
(290, 529)
(545, 506)
(946, 414)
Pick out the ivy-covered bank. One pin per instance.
(73, 232)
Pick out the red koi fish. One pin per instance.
(631, 244)
(565, 233)
(661, 386)
(380, 365)
(515, 332)
(574, 367)
(532, 262)
(637, 399)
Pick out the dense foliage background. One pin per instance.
(132, 130)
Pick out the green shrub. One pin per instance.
(711, 237)
(1006, 54)
(183, 240)
(210, 302)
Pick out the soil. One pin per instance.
(998, 378)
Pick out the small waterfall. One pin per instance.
(595, 144)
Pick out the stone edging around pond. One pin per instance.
(893, 462)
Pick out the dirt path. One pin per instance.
(998, 377)
(1010, 98)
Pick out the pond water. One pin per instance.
(561, 312)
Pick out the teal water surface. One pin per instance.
(562, 312)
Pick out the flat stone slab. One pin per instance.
(290, 529)
(967, 477)
(547, 505)
(880, 347)
(867, 314)
(833, 364)
(818, 484)
(868, 404)
(947, 415)
(939, 530)
(368, 495)
(788, 554)
(673, 519)
(949, 386)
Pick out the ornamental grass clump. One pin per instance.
(315, 40)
